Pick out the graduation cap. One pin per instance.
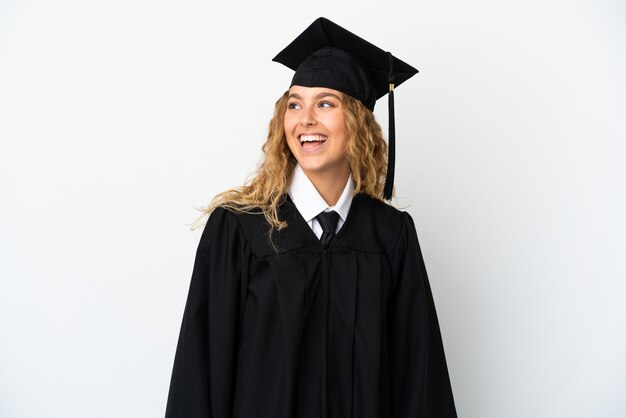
(327, 55)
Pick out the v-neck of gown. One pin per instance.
(293, 215)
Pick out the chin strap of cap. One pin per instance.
(391, 160)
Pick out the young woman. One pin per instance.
(309, 296)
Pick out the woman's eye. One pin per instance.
(325, 104)
(293, 106)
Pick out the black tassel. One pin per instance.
(391, 160)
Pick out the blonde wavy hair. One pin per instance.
(266, 189)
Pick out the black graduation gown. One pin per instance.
(347, 331)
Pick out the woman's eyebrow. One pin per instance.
(318, 96)
(325, 94)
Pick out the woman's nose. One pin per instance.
(308, 118)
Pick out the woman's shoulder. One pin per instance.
(235, 216)
(375, 225)
(224, 220)
(377, 205)
(386, 214)
(249, 222)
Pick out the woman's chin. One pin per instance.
(322, 168)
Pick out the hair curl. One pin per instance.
(266, 189)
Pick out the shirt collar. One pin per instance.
(310, 203)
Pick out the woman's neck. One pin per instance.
(329, 185)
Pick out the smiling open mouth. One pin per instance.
(312, 138)
(311, 143)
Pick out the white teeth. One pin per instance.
(312, 138)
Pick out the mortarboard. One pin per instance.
(327, 55)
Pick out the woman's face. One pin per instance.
(316, 130)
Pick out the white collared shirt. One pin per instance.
(310, 203)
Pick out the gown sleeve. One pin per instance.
(420, 384)
(204, 365)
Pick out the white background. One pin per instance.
(118, 117)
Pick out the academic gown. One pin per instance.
(349, 331)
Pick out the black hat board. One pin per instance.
(327, 55)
